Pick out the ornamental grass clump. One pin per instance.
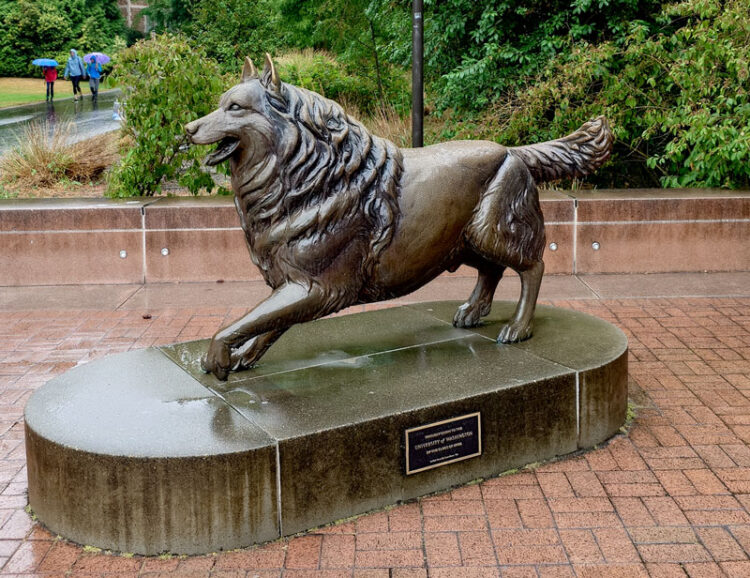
(385, 122)
(388, 123)
(46, 156)
(40, 158)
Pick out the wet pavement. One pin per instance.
(672, 498)
(88, 118)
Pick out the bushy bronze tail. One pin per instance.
(575, 155)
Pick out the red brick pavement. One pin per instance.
(672, 498)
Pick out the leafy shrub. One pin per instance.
(676, 95)
(166, 83)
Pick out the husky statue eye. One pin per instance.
(333, 124)
(235, 106)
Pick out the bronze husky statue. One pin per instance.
(335, 216)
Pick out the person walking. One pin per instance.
(75, 69)
(50, 76)
(94, 70)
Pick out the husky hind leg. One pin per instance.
(507, 229)
(520, 326)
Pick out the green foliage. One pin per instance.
(32, 29)
(672, 79)
(321, 72)
(166, 83)
(360, 33)
(230, 30)
(476, 51)
(356, 32)
(676, 96)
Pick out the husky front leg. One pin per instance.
(289, 304)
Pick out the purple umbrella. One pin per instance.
(101, 58)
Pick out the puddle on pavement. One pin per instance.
(88, 119)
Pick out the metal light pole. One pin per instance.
(417, 74)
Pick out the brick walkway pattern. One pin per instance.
(671, 498)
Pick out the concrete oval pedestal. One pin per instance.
(142, 452)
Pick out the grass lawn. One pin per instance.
(22, 90)
(15, 91)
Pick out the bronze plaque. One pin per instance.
(443, 442)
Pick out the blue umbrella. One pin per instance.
(44, 62)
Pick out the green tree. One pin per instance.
(32, 29)
(166, 84)
(361, 34)
(168, 15)
(230, 30)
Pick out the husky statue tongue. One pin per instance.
(335, 216)
(225, 149)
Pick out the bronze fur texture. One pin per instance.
(335, 216)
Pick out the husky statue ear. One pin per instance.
(270, 76)
(249, 72)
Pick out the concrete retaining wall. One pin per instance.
(74, 241)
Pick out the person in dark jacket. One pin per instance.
(50, 76)
(75, 69)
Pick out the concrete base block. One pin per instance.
(142, 452)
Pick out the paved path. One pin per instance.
(672, 498)
(86, 119)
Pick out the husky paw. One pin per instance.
(217, 360)
(470, 314)
(514, 332)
